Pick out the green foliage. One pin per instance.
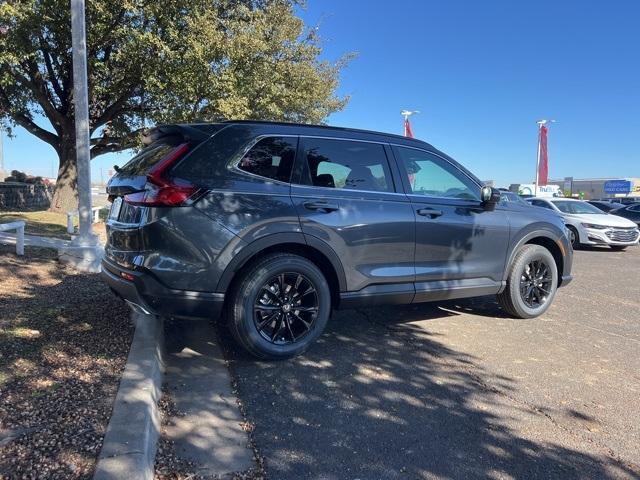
(155, 62)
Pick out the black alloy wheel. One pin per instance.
(536, 283)
(280, 305)
(532, 282)
(286, 308)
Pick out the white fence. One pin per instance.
(95, 211)
(19, 228)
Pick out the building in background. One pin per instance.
(589, 188)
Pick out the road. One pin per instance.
(456, 390)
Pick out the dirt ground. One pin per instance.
(64, 339)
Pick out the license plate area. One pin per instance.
(116, 206)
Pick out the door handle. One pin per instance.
(323, 206)
(429, 212)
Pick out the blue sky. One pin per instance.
(481, 73)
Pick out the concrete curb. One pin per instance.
(131, 439)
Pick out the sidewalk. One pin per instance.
(34, 241)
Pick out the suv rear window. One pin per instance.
(149, 156)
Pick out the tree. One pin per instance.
(155, 62)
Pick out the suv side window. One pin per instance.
(346, 164)
(429, 175)
(271, 157)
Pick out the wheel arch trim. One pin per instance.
(254, 248)
(532, 235)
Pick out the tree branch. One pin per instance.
(115, 108)
(40, 91)
(28, 124)
(53, 75)
(114, 144)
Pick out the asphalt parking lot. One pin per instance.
(456, 390)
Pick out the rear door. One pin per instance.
(345, 195)
(459, 244)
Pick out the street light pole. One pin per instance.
(81, 104)
(406, 114)
(85, 251)
(1, 155)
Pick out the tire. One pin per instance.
(512, 298)
(262, 314)
(618, 248)
(575, 237)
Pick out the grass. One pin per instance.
(45, 223)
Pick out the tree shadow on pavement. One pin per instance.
(379, 397)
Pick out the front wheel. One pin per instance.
(531, 284)
(574, 237)
(280, 307)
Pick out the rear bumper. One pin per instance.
(144, 293)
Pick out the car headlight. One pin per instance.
(591, 225)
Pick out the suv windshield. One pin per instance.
(566, 206)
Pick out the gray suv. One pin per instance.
(276, 224)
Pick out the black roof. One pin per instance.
(209, 128)
(324, 127)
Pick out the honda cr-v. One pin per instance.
(275, 225)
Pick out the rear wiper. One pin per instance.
(117, 168)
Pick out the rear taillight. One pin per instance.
(162, 192)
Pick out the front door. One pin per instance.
(460, 247)
(346, 197)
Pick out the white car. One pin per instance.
(588, 225)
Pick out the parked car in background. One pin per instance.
(588, 225)
(511, 197)
(605, 205)
(630, 212)
(277, 224)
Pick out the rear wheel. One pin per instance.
(280, 307)
(531, 284)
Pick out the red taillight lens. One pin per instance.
(164, 192)
(167, 196)
(127, 276)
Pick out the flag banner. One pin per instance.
(407, 128)
(543, 165)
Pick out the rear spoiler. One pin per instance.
(194, 133)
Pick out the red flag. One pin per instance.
(407, 128)
(543, 165)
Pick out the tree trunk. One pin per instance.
(65, 195)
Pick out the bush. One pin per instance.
(21, 177)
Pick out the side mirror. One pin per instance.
(490, 197)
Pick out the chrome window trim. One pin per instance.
(333, 190)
